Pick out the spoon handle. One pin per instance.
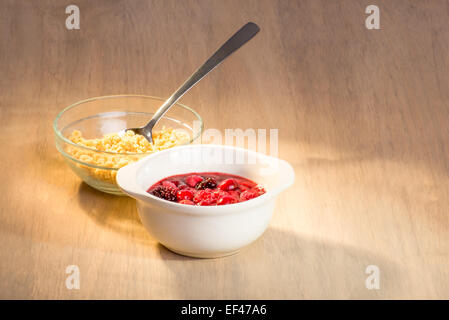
(242, 36)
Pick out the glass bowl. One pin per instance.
(98, 116)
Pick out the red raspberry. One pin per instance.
(192, 181)
(228, 185)
(169, 184)
(226, 200)
(220, 193)
(247, 195)
(184, 194)
(205, 197)
(187, 202)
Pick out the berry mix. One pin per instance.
(206, 189)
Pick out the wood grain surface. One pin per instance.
(363, 116)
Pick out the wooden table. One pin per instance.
(363, 116)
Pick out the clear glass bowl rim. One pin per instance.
(60, 136)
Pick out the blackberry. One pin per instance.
(208, 183)
(166, 193)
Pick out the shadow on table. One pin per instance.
(117, 213)
(281, 265)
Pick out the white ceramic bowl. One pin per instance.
(209, 231)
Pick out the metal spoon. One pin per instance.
(242, 36)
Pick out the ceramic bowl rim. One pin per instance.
(143, 196)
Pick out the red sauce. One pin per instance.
(206, 189)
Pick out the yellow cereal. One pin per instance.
(128, 143)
